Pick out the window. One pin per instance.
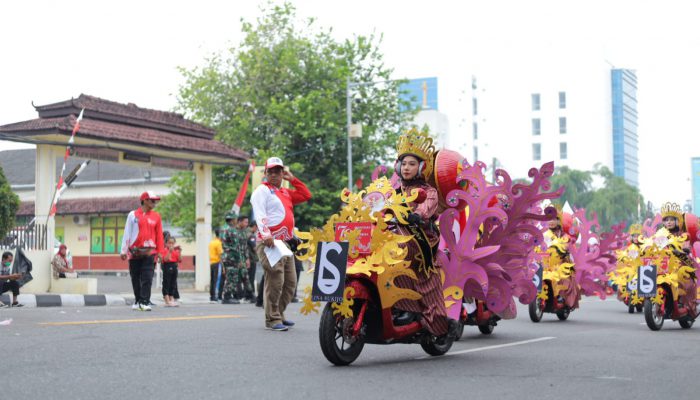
(562, 124)
(106, 234)
(475, 129)
(535, 102)
(562, 99)
(474, 106)
(536, 128)
(476, 154)
(536, 151)
(563, 151)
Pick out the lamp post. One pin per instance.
(348, 111)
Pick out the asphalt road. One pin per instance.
(215, 351)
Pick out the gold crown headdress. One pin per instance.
(635, 230)
(672, 210)
(419, 144)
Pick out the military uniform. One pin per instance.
(234, 242)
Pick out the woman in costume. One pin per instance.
(672, 219)
(413, 166)
(560, 234)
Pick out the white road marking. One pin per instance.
(498, 346)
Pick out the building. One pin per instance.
(557, 116)
(116, 134)
(90, 215)
(422, 94)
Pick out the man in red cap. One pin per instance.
(273, 209)
(143, 245)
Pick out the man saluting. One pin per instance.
(273, 208)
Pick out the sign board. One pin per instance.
(329, 275)
(537, 278)
(365, 228)
(355, 131)
(646, 281)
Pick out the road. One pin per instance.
(213, 351)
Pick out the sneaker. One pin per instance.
(295, 300)
(288, 323)
(277, 327)
(150, 304)
(135, 306)
(144, 307)
(2, 305)
(17, 305)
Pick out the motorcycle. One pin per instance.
(343, 336)
(474, 312)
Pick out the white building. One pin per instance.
(556, 115)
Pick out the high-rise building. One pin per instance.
(422, 94)
(561, 116)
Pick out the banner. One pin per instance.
(329, 275)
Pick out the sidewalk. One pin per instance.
(117, 291)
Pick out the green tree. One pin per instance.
(9, 204)
(282, 92)
(577, 183)
(616, 201)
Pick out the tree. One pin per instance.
(577, 184)
(614, 202)
(282, 92)
(9, 204)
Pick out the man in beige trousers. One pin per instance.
(273, 209)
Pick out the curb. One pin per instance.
(70, 300)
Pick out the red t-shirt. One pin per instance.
(174, 256)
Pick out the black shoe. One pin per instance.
(257, 304)
(453, 328)
(231, 301)
(295, 300)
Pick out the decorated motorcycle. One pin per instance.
(575, 264)
(667, 281)
(484, 256)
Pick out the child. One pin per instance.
(170, 260)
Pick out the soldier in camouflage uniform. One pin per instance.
(235, 259)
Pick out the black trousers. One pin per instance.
(170, 279)
(251, 277)
(12, 286)
(141, 271)
(214, 268)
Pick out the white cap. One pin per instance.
(274, 162)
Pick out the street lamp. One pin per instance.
(357, 132)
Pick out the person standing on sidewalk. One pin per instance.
(273, 208)
(244, 287)
(171, 259)
(232, 258)
(216, 281)
(142, 244)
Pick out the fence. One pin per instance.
(31, 237)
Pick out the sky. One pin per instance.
(130, 51)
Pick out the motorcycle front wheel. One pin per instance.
(436, 346)
(460, 331)
(686, 323)
(652, 315)
(486, 329)
(337, 345)
(563, 314)
(536, 310)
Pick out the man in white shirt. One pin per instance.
(273, 208)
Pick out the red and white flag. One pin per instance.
(60, 185)
(236, 208)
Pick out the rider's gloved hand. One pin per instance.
(413, 219)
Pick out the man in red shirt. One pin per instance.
(143, 245)
(273, 209)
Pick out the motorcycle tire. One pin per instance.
(460, 332)
(640, 307)
(651, 315)
(486, 329)
(630, 309)
(330, 330)
(686, 323)
(563, 314)
(432, 345)
(535, 311)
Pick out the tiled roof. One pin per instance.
(97, 108)
(107, 205)
(116, 133)
(126, 124)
